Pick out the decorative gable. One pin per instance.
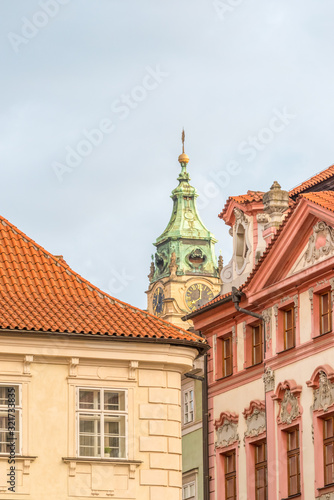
(319, 247)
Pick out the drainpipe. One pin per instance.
(236, 297)
(205, 423)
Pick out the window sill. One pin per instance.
(253, 366)
(121, 461)
(296, 495)
(322, 335)
(329, 488)
(225, 377)
(281, 352)
(17, 457)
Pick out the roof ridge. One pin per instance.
(309, 179)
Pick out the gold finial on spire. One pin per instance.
(183, 158)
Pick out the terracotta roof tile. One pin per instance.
(323, 198)
(243, 199)
(40, 292)
(313, 181)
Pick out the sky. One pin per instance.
(94, 96)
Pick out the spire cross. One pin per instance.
(183, 137)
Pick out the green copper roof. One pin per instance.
(185, 235)
(185, 221)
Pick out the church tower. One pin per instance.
(184, 273)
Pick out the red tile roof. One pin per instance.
(243, 199)
(323, 198)
(313, 181)
(40, 292)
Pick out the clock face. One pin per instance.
(198, 295)
(158, 301)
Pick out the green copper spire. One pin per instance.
(185, 234)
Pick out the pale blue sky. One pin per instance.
(225, 72)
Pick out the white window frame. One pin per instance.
(189, 485)
(18, 408)
(102, 412)
(186, 414)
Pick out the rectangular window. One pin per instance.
(329, 450)
(293, 462)
(188, 405)
(230, 476)
(102, 419)
(261, 479)
(189, 491)
(325, 313)
(257, 345)
(10, 418)
(289, 328)
(227, 356)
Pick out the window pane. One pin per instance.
(328, 427)
(114, 401)
(9, 394)
(227, 348)
(288, 319)
(114, 436)
(230, 488)
(89, 435)
(89, 400)
(324, 303)
(7, 437)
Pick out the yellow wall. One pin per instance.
(49, 370)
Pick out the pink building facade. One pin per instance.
(271, 362)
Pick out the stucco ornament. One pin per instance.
(226, 429)
(324, 395)
(289, 408)
(269, 379)
(267, 314)
(226, 274)
(239, 216)
(255, 418)
(327, 496)
(321, 243)
(227, 434)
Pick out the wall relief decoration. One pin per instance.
(255, 418)
(321, 243)
(322, 383)
(226, 429)
(269, 379)
(288, 395)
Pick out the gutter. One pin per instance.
(201, 347)
(236, 297)
(205, 420)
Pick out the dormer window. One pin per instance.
(241, 247)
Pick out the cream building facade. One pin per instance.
(90, 387)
